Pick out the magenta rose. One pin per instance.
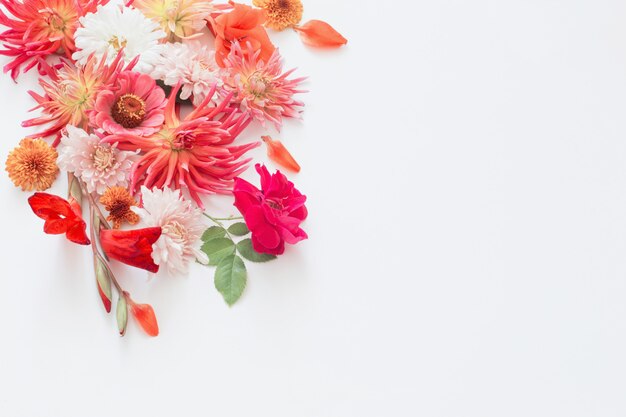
(274, 213)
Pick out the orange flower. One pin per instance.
(281, 14)
(32, 165)
(243, 24)
(118, 201)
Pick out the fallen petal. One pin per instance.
(320, 34)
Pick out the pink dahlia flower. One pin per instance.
(274, 213)
(38, 28)
(135, 105)
(261, 88)
(195, 154)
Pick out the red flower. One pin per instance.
(61, 216)
(132, 247)
(244, 25)
(274, 213)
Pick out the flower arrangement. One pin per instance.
(143, 104)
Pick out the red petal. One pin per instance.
(77, 234)
(144, 314)
(321, 34)
(279, 154)
(132, 247)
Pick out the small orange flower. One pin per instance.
(281, 14)
(118, 201)
(32, 165)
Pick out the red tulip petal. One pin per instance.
(144, 314)
(320, 34)
(277, 152)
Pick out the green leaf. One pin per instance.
(121, 312)
(218, 249)
(238, 229)
(247, 251)
(213, 232)
(230, 278)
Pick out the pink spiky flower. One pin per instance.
(134, 105)
(39, 28)
(70, 93)
(194, 154)
(261, 88)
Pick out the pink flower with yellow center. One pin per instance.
(134, 105)
(195, 154)
(70, 94)
(39, 28)
(261, 88)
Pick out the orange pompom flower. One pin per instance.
(281, 14)
(32, 165)
(118, 202)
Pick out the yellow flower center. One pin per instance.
(117, 44)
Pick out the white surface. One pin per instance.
(464, 163)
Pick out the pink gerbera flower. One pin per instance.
(261, 88)
(195, 154)
(70, 94)
(40, 28)
(133, 105)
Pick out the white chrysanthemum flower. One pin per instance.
(113, 27)
(193, 64)
(98, 165)
(182, 226)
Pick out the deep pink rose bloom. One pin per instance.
(274, 213)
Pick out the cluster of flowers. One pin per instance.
(116, 79)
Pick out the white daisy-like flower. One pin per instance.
(97, 164)
(113, 27)
(182, 226)
(193, 64)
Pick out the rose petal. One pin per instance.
(320, 34)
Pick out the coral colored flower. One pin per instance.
(113, 28)
(195, 154)
(193, 65)
(60, 216)
(39, 28)
(32, 165)
(242, 24)
(179, 19)
(134, 105)
(70, 94)
(260, 87)
(118, 202)
(274, 213)
(131, 247)
(98, 165)
(182, 225)
(281, 14)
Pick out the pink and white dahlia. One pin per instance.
(261, 88)
(134, 105)
(181, 224)
(195, 154)
(98, 165)
(113, 28)
(193, 65)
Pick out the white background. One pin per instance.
(465, 168)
